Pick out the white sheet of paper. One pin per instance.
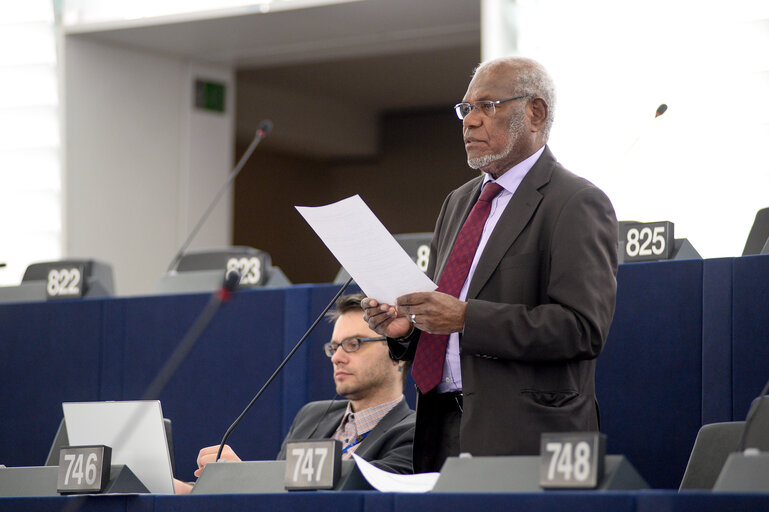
(366, 249)
(392, 482)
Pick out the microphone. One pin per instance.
(177, 357)
(277, 371)
(265, 127)
(180, 353)
(657, 113)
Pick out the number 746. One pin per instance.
(75, 468)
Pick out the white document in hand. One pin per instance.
(366, 249)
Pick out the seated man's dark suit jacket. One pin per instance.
(387, 446)
(539, 307)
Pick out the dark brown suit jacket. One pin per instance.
(540, 304)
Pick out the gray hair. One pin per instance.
(530, 77)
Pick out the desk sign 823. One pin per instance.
(647, 241)
(572, 460)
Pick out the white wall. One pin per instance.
(703, 165)
(141, 163)
(30, 141)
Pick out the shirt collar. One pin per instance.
(367, 419)
(513, 177)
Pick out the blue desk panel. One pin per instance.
(230, 362)
(588, 501)
(689, 345)
(649, 376)
(717, 304)
(49, 353)
(750, 335)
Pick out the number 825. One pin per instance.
(645, 242)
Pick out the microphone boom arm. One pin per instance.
(261, 132)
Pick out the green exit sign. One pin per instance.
(209, 95)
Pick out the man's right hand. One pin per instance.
(385, 319)
(208, 454)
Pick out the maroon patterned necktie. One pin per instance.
(431, 350)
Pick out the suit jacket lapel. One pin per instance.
(392, 418)
(517, 214)
(329, 423)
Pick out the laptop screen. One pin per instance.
(133, 429)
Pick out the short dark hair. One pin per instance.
(345, 304)
(351, 302)
(405, 367)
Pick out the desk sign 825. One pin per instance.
(647, 241)
(313, 464)
(572, 460)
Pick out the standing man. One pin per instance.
(525, 257)
(374, 421)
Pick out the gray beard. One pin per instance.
(514, 131)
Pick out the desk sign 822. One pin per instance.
(572, 460)
(65, 282)
(647, 241)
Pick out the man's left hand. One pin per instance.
(434, 312)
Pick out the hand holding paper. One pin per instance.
(366, 249)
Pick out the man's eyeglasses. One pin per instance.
(349, 345)
(488, 108)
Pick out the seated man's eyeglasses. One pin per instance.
(348, 345)
(488, 108)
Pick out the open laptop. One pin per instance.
(135, 432)
(61, 440)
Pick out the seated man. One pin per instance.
(375, 421)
